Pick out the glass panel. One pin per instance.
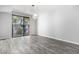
(26, 25)
(20, 26)
(17, 26)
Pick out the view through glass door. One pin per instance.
(20, 26)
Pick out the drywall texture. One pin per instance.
(60, 22)
(5, 25)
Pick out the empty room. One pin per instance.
(39, 29)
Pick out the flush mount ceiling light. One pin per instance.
(35, 11)
(33, 5)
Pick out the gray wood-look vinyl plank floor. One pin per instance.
(37, 45)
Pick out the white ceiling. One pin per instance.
(46, 8)
(29, 8)
(20, 8)
(25, 8)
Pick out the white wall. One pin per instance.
(33, 27)
(5, 25)
(62, 22)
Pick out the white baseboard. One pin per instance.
(60, 39)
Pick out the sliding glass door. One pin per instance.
(20, 26)
(26, 26)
